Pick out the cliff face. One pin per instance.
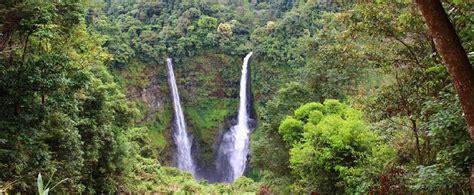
(147, 86)
(149, 94)
(208, 85)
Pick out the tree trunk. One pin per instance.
(454, 56)
(417, 141)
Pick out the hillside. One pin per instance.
(335, 98)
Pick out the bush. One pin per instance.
(331, 148)
(436, 179)
(291, 129)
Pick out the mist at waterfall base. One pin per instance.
(184, 160)
(232, 147)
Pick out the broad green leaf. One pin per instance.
(39, 182)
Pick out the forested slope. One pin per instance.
(349, 97)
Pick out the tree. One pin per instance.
(332, 150)
(270, 151)
(60, 109)
(454, 56)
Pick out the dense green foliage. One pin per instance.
(84, 95)
(61, 110)
(379, 58)
(332, 150)
(63, 113)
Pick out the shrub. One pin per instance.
(332, 148)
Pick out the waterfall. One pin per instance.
(234, 148)
(180, 135)
(241, 132)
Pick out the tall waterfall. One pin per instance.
(180, 135)
(234, 148)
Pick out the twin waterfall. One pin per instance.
(234, 148)
(241, 132)
(231, 159)
(183, 144)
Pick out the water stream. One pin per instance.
(234, 148)
(183, 143)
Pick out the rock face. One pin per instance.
(151, 96)
(209, 88)
(150, 93)
(148, 87)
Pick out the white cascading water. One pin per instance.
(180, 135)
(241, 131)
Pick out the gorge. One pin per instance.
(233, 147)
(236, 97)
